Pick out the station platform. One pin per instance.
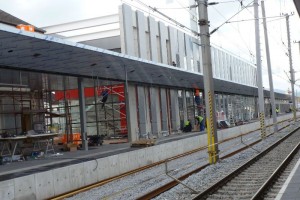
(11, 170)
(291, 188)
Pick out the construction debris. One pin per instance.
(143, 142)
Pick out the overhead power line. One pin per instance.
(243, 20)
(230, 18)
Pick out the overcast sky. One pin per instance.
(235, 37)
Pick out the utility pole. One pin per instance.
(259, 74)
(269, 67)
(212, 136)
(291, 66)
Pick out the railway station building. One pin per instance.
(54, 79)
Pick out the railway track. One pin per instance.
(274, 189)
(254, 178)
(165, 187)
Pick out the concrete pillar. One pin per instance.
(143, 112)
(153, 32)
(82, 113)
(155, 112)
(184, 106)
(141, 33)
(164, 110)
(131, 113)
(188, 51)
(173, 45)
(126, 29)
(181, 49)
(175, 119)
(163, 35)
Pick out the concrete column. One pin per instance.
(173, 45)
(184, 106)
(141, 33)
(163, 34)
(131, 113)
(188, 51)
(155, 112)
(181, 49)
(126, 29)
(82, 113)
(143, 115)
(175, 119)
(197, 57)
(153, 31)
(164, 110)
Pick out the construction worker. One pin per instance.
(104, 94)
(187, 126)
(200, 121)
(277, 111)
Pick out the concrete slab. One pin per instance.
(103, 168)
(124, 163)
(91, 172)
(114, 164)
(61, 178)
(76, 176)
(25, 188)
(44, 185)
(7, 190)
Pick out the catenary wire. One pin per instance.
(250, 52)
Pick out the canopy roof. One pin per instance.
(44, 53)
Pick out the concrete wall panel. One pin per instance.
(133, 159)
(164, 111)
(7, 190)
(143, 158)
(173, 44)
(61, 178)
(44, 185)
(141, 31)
(155, 112)
(103, 168)
(188, 51)
(163, 33)
(124, 163)
(181, 49)
(113, 167)
(142, 111)
(76, 176)
(126, 27)
(153, 32)
(132, 107)
(175, 119)
(91, 171)
(156, 153)
(25, 188)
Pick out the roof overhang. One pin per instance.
(44, 53)
(297, 4)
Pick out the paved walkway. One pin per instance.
(291, 188)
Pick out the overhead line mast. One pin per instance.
(212, 135)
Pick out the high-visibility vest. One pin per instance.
(187, 123)
(200, 119)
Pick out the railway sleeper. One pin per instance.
(235, 188)
(246, 182)
(231, 197)
(237, 191)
